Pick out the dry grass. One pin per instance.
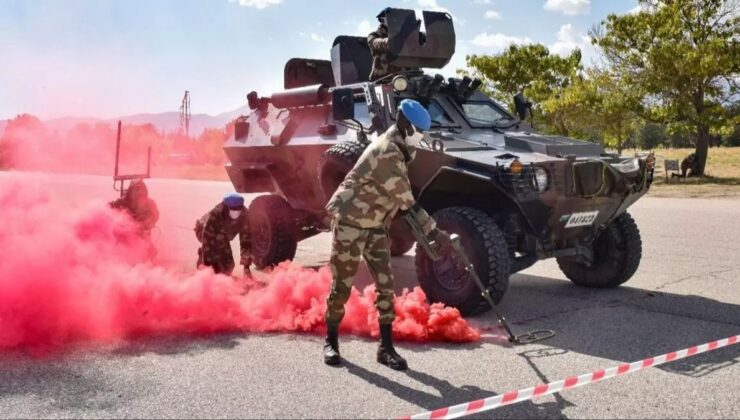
(722, 175)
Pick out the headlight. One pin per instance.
(400, 84)
(540, 180)
(515, 167)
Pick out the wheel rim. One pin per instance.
(261, 238)
(450, 272)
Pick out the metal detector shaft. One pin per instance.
(432, 249)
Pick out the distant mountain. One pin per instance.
(165, 121)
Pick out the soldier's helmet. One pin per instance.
(383, 13)
(137, 187)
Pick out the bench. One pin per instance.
(673, 166)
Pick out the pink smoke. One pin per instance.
(79, 274)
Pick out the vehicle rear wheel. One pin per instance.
(446, 280)
(617, 253)
(335, 163)
(272, 231)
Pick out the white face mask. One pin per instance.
(234, 214)
(415, 139)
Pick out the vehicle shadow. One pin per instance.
(448, 394)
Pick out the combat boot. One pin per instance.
(331, 346)
(386, 353)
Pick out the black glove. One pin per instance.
(440, 238)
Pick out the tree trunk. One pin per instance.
(702, 133)
(702, 149)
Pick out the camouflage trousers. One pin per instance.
(219, 257)
(349, 244)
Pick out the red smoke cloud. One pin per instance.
(77, 274)
(29, 144)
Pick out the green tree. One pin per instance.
(530, 69)
(652, 135)
(685, 56)
(598, 105)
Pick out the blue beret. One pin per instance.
(233, 200)
(416, 114)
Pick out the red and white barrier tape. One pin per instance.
(513, 397)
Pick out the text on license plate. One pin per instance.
(581, 219)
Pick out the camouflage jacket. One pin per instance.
(378, 43)
(377, 187)
(145, 215)
(216, 230)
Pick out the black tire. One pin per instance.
(272, 231)
(617, 254)
(335, 163)
(485, 246)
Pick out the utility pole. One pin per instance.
(185, 114)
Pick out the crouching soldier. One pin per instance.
(362, 209)
(142, 209)
(215, 231)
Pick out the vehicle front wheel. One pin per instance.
(447, 281)
(272, 231)
(616, 255)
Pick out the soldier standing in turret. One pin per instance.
(363, 207)
(378, 42)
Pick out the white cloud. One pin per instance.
(569, 39)
(569, 7)
(312, 36)
(492, 14)
(498, 41)
(434, 6)
(364, 28)
(257, 4)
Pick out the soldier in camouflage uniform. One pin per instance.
(378, 43)
(362, 208)
(215, 231)
(142, 209)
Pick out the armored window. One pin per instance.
(439, 116)
(483, 114)
(362, 114)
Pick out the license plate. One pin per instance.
(581, 219)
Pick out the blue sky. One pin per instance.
(108, 58)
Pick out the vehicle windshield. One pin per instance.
(439, 116)
(484, 114)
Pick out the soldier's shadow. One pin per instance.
(449, 395)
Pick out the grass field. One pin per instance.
(722, 175)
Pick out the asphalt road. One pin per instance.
(686, 292)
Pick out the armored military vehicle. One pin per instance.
(513, 196)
